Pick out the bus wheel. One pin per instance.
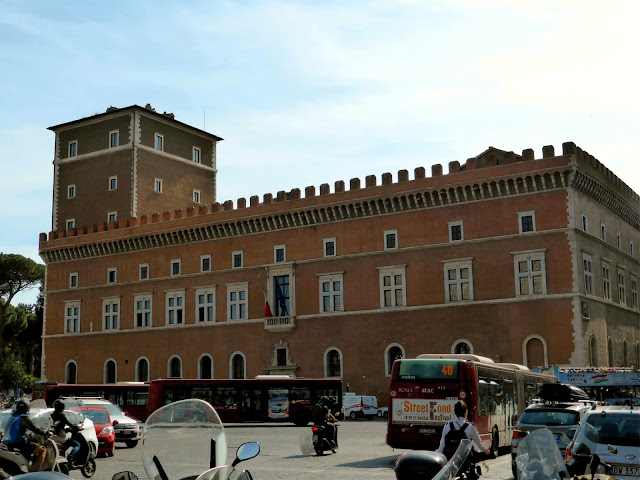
(495, 442)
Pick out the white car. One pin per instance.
(383, 411)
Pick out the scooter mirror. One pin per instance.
(125, 476)
(248, 450)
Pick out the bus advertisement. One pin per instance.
(265, 398)
(424, 390)
(608, 385)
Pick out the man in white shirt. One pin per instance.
(460, 410)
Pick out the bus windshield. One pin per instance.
(427, 369)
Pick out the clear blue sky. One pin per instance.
(306, 92)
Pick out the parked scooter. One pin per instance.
(83, 460)
(427, 465)
(185, 440)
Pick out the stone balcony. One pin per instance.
(280, 324)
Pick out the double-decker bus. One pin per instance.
(131, 397)
(607, 385)
(261, 399)
(424, 390)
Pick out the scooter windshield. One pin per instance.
(450, 470)
(182, 440)
(539, 457)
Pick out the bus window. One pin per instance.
(484, 395)
(300, 395)
(497, 396)
(203, 393)
(226, 396)
(418, 369)
(530, 391)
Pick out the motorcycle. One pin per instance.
(83, 460)
(185, 440)
(12, 462)
(322, 440)
(434, 465)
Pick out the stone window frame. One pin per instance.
(331, 294)
(458, 223)
(521, 216)
(111, 317)
(392, 271)
(458, 264)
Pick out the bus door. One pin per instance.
(510, 406)
(251, 404)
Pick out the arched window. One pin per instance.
(610, 351)
(534, 351)
(71, 372)
(142, 370)
(174, 368)
(391, 354)
(462, 345)
(237, 365)
(110, 371)
(205, 366)
(593, 351)
(333, 363)
(625, 354)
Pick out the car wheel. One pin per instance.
(353, 416)
(109, 454)
(380, 413)
(132, 443)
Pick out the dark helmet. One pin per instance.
(22, 406)
(324, 401)
(58, 405)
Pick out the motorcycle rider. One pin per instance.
(59, 423)
(15, 435)
(323, 417)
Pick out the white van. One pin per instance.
(355, 406)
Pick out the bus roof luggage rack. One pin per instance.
(457, 356)
(561, 393)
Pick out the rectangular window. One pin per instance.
(618, 241)
(196, 154)
(530, 273)
(282, 302)
(159, 142)
(71, 223)
(112, 275)
(392, 286)
(585, 223)
(390, 239)
(73, 280)
(606, 281)
(71, 191)
(157, 185)
(72, 317)
(113, 182)
(205, 305)
(458, 280)
(279, 254)
(143, 304)
(329, 246)
(237, 259)
(113, 139)
(527, 222)
(588, 274)
(73, 148)
(456, 231)
(175, 308)
(622, 294)
(634, 292)
(144, 271)
(237, 301)
(112, 217)
(205, 263)
(281, 357)
(603, 233)
(175, 267)
(196, 196)
(110, 313)
(331, 292)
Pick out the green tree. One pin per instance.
(17, 274)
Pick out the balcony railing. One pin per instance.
(278, 324)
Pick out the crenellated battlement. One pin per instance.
(472, 172)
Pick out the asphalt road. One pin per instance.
(285, 454)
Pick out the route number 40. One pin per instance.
(447, 370)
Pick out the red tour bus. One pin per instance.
(131, 397)
(424, 390)
(264, 398)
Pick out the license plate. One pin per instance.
(427, 430)
(558, 437)
(625, 470)
(315, 438)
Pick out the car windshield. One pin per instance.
(550, 418)
(617, 428)
(96, 416)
